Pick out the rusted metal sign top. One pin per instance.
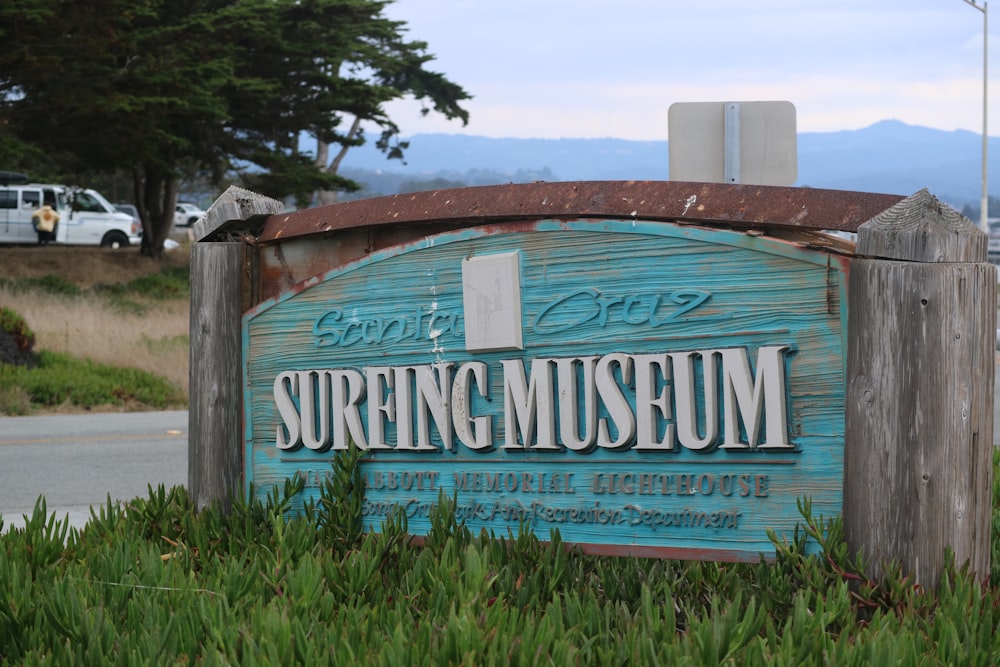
(739, 206)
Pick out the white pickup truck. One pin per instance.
(85, 217)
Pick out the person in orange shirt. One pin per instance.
(45, 220)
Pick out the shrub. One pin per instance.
(154, 581)
(17, 341)
(169, 283)
(14, 401)
(59, 378)
(48, 284)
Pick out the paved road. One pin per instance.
(76, 461)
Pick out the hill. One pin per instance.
(889, 156)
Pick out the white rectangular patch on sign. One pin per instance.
(491, 297)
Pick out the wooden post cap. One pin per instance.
(922, 229)
(235, 204)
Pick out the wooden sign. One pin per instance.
(643, 387)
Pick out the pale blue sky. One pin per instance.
(583, 68)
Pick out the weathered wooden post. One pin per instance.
(215, 418)
(918, 467)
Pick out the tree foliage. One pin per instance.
(160, 88)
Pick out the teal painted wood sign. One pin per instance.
(642, 387)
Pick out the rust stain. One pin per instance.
(709, 204)
(735, 555)
(286, 270)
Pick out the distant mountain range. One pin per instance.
(888, 157)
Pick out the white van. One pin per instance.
(85, 217)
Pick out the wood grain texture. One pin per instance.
(215, 457)
(236, 204)
(759, 292)
(918, 457)
(922, 229)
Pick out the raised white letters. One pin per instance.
(649, 368)
(689, 424)
(743, 398)
(289, 434)
(648, 402)
(526, 404)
(474, 432)
(615, 401)
(569, 404)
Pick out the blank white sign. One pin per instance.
(491, 295)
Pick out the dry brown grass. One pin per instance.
(85, 266)
(91, 326)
